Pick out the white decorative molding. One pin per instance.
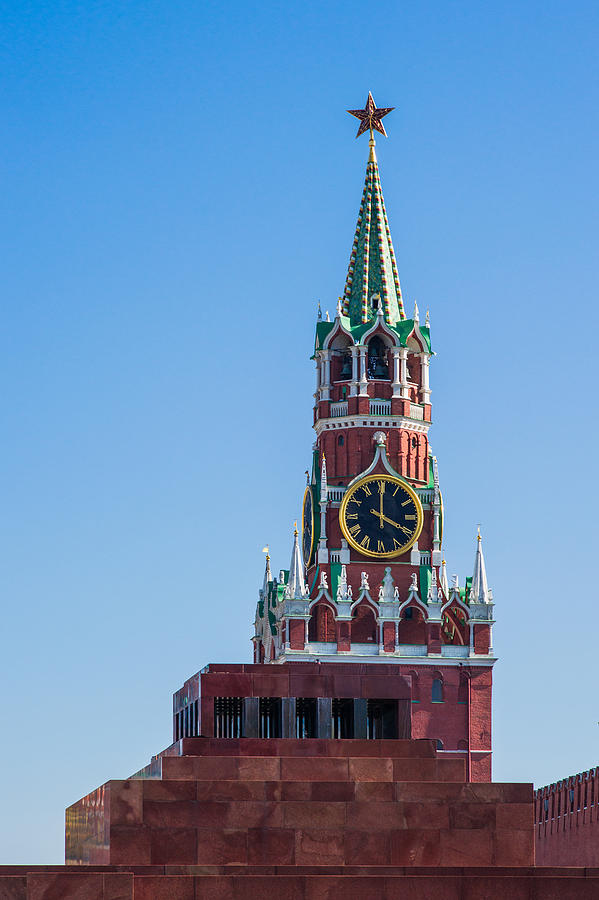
(358, 420)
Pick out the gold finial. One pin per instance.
(266, 550)
(478, 537)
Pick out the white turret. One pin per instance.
(443, 581)
(296, 585)
(267, 573)
(479, 592)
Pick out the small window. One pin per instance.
(414, 443)
(341, 440)
(439, 744)
(437, 691)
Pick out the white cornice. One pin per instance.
(365, 420)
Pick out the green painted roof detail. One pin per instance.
(403, 328)
(372, 265)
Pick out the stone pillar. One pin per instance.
(363, 378)
(324, 717)
(360, 718)
(325, 390)
(403, 357)
(288, 714)
(353, 390)
(396, 383)
(251, 717)
(425, 393)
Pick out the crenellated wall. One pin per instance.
(566, 828)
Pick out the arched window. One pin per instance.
(377, 359)
(437, 691)
(463, 689)
(341, 441)
(321, 626)
(415, 687)
(439, 744)
(363, 629)
(346, 366)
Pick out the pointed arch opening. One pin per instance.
(412, 627)
(321, 626)
(377, 366)
(363, 629)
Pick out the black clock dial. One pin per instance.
(381, 516)
(308, 527)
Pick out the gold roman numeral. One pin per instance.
(381, 547)
(381, 485)
(410, 518)
(396, 544)
(407, 502)
(366, 489)
(405, 530)
(355, 516)
(365, 542)
(355, 530)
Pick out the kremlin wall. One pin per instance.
(353, 756)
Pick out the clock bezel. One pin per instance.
(347, 498)
(312, 542)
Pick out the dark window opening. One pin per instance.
(414, 443)
(437, 691)
(377, 360)
(439, 744)
(305, 717)
(382, 719)
(227, 717)
(270, 717)
(341, 440)
(343, 719)
(346, 367)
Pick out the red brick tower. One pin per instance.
(370, 582)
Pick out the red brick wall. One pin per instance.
(566, 821)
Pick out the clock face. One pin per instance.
(308, 526)
(381, 516)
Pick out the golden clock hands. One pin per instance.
(390, 521)
(381, 512)
(381, 515)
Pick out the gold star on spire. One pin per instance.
(370, 117)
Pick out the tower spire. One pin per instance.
(372, 264)
(479, 592)
(296, 586)
(267, 572)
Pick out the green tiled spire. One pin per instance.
(372, 265)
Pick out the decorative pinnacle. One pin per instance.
(370, 117)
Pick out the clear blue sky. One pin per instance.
(180, 185)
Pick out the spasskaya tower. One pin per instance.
(367, 580)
